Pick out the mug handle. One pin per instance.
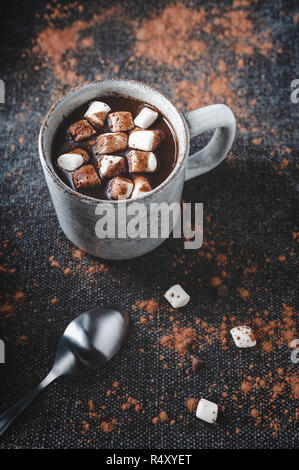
(217, 116)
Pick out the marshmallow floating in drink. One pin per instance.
(120, 188)
(81, 130)
(97, 113)
(111, 165)
(141, 187)
(142, 162)
(144, 139)
(86, 177)
(145, 118)
(120, 121)
(111, 142)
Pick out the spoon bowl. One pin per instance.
(91, 339)
(88, 342)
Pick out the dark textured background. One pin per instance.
(250, 205)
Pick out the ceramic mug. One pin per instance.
(77, 213)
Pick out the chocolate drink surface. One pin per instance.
(115, 147)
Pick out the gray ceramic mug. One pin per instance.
(77, 213)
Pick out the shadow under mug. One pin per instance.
(77, 213)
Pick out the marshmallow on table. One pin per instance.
(86, 177)
(243, 336)
(176, 296)
(141, 187)
(81, 130)
(145, 118)
(120, 121)
(70, 161)
(144, 140)
(111, 165)
(142, 162)
(207, 411)
(97, 113)
(111, 142)
(120, 188)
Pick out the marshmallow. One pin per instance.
(243, 336)
(86, 177)
(145, 118)
(111, 142)
(120, 121)
(111, 165)
(70, 161)
(142, 162)
(97, 112)
(144, 140)
(141, 187)
(81, 152)
(176, 296)
(81, 130)
(120, 188)
(207, 411)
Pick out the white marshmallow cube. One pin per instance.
(145, 118)
(120, 188)
(111, 165)
(176, 296)
(97, 112)
(141, 187)
(120, 121)
(144, 140)
(111, 142)
(207, 411)
(142, 162)
(70, 161)
(243, 336)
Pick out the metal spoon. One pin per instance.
(88, 342)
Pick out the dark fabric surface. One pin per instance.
(250, 205)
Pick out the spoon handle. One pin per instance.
(15, 410)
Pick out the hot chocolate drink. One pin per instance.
(115, 147)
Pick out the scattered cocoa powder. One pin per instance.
(91, 405)
(295, 385)
(163, 416)
(182, 339)
(108, 426)
(163, 37)
(254, 413)
(246, 387)
(19, 296)
(58, 44)
(244, 293)
(191, 404)
(150, 306)
(78, 254)
(23, 340)
(278, 389)
(216, 281)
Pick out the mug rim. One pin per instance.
(90, 199)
